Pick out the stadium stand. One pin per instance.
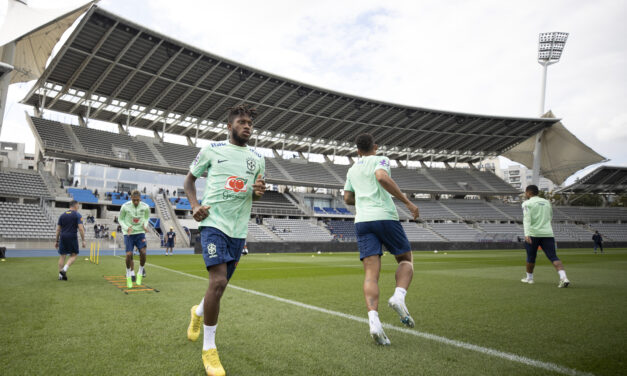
(53, 134)
(474, 210)
(105, 143)
(295, 230)
(177, 155)
(82, 195)
(25, 221)
(258, 233)
(344, 230)
(586, 214)
(503, 231)
(308, 172)
(612, 231)
(571, 232)
(275, 203)
(456, 231)
(430, 210)
(23, 183)
(416, 233)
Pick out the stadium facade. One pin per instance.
(113, 70)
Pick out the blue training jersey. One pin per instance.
(69, 222)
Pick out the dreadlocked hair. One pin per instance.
(241, 110)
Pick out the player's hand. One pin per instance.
(56, 244)
(259, 187)
(200, 212)
(130, 229)
(84, 244)
(413, 209)
(528, 239)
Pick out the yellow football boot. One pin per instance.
(211, 361)
(193, 330)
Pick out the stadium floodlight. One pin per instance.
(550, 48)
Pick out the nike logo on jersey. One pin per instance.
(222, 160)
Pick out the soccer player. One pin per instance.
(170, 236)
(235, 177)
(133, 218)
(67, 241)
(537, 215)
(598, 241)
(370, 188)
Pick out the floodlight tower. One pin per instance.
(550, 48)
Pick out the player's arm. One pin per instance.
(199, 212)
(259, 188)
(56, 243)
(526, 223)
(349, 197)
(390, 185)
(123, 220)
(146, 218)
(81, 230)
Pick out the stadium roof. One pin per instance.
(114, 70)
(604, 179)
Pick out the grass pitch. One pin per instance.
(86, 326)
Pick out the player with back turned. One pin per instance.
(370, 188)
(235, 177)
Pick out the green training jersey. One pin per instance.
(134, 216)
(537, 216)
(231, 173)
(372, 201)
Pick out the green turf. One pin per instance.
(86, 326)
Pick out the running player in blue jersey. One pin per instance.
(370, 188)
(67, 241)
(235, 177)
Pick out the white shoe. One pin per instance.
(564, 283)
(379, 336)
(400, 308)
(527, 280)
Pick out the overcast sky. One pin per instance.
(475, 56)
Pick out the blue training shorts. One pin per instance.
(219, 248)
(548, 246)
(135, 240)
(68, 245)
(372, 235)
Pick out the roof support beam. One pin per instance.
(84, 64)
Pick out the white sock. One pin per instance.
(200, 310)
(128, 272)
(399, 293)
(209, 337)
(133, 273)
(141, 270)
(65, 268)
(373, 319)
(562, 274)
(529, 275)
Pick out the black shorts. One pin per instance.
(68, 245)
(548, 246)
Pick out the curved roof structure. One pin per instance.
(114, 70)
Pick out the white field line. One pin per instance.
(467, 346)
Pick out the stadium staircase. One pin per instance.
(165, 212)
(496, 208)
(279, 167)
(151, 146)
(76, 143)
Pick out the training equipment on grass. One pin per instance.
(119, 281)
(94, 252)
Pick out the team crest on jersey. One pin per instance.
(236, 184)
(251, 164)
(135, 220)
(211, 250)
(384, 163)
